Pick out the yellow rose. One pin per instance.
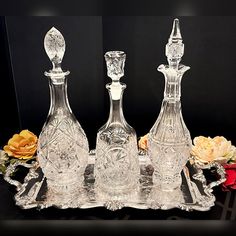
(142, 143)
(206, 149)
(22, 145)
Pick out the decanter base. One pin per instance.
(117, 195)
(167, 183)
(163, 199)
(64, 188)
(66, 199)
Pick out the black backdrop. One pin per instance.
(208, 95)
(207, 89)
(83, 57)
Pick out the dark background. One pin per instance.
(208, 89)
(208, 94)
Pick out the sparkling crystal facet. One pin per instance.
(169, 140)
(55, 46)
(116, 167)
(62, 147)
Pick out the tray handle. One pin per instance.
(219, 169)
(11, 169)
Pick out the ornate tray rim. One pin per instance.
(208, 198)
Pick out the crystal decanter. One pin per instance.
(169, 140)
(116, 165)
(62, 147)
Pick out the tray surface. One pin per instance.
(194, 193)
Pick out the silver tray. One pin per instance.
(195, 193)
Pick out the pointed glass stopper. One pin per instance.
(54, 45)
(175, 35)
(115, 61)
(175, 47)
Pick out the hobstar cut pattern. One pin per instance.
(168, 165)
(62, 150)
(62, 146)
(116, 171)
(169, 140)
(116, 167)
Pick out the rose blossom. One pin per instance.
(22, 145)
(142, 143)
(230, 182)
(207, 150)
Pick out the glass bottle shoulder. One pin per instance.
(123, 127)
(116, 133)
(170, 126)
(65, 124)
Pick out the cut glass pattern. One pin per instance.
(169, 140)
(116, 167)
(54, 45)
(62, 147)
(195, 194)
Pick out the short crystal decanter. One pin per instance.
(169, 140)
(116, 165)
(62, 147)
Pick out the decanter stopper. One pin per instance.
(63, 146)
(54, 45)
(175, 47)
(115, 61)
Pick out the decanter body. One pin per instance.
(169, 140)
(62, 147)
(116, 166)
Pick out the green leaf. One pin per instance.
(13, 160)
(231, 161)
(3, 169)
(24, 160)
(13, 173)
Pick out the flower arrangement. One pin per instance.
(206, 150)
(21, 146)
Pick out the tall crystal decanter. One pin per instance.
(62, 147)
(169, 140)
(116, 165)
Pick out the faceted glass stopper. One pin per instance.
(54, 45)
(175, 47)
(115, 61)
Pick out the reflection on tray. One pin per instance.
(193, 195)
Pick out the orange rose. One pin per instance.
(22, 145)
(142, 143)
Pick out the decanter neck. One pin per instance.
(116, 90)
(58, 95)
(173, 76)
